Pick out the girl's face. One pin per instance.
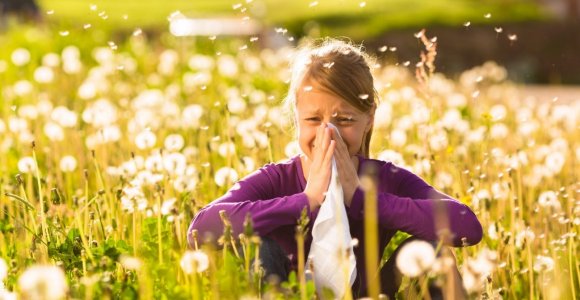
(315, 105)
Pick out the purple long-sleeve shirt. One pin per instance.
(274, 197)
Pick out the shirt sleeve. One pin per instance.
(414, 207)
(252, 195)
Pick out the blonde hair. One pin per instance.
(340, 68)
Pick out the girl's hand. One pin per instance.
(320, 167)
(347, 168)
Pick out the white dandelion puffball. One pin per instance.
(68, 163)
(292, 149)
(415, 258)
(549, 199)
(43, 282)
(543, 264)
(130, 262)
(145, 140)
(227, 149)
(64, 116)
(20, 57)
(174, 142)
(225, 175)
(53, 131)
(43, 75)
(194, 261)
(26, 165)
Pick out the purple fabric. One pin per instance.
(274, 197)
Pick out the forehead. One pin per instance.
(313, 98)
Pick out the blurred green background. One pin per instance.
(356, 19)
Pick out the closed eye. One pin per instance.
(345, 120)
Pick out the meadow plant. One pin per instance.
(107, 150)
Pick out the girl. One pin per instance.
(332, 83)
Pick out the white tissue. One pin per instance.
(331, 253)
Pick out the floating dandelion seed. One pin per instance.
(244, 47)
(313, 3)
(419, 34)
(253, 39)
(291, 39)
(433, 40)
(93, 7)
(475, 94)
(50, 12)
(212, 38)
(406, 64)
(237, 6)
(87, 26)
(512, 37)
(383, 48)
(307, 88)
(334, 114)
(112, 45)
(125, 17)
(137, 32)
(498, 29)
(393, 49)
(466, 24)
(363, 96)
(362, 4)
(63, 33)
(487, 16)
(328, 65)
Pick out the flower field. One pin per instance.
(109, 145)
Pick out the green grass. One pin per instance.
(345, 18)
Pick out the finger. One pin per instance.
(326, 139)
(318, 136)
(329, 153)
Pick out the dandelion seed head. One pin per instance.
(225, 175)
(174, 142)
(27, 165)
(543, 263)
(415, 258)
(145, 140)
(194, 261)
(68, 163)
(130, 262)
(43, 282)
(20, 57)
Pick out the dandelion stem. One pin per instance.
(371, 236)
